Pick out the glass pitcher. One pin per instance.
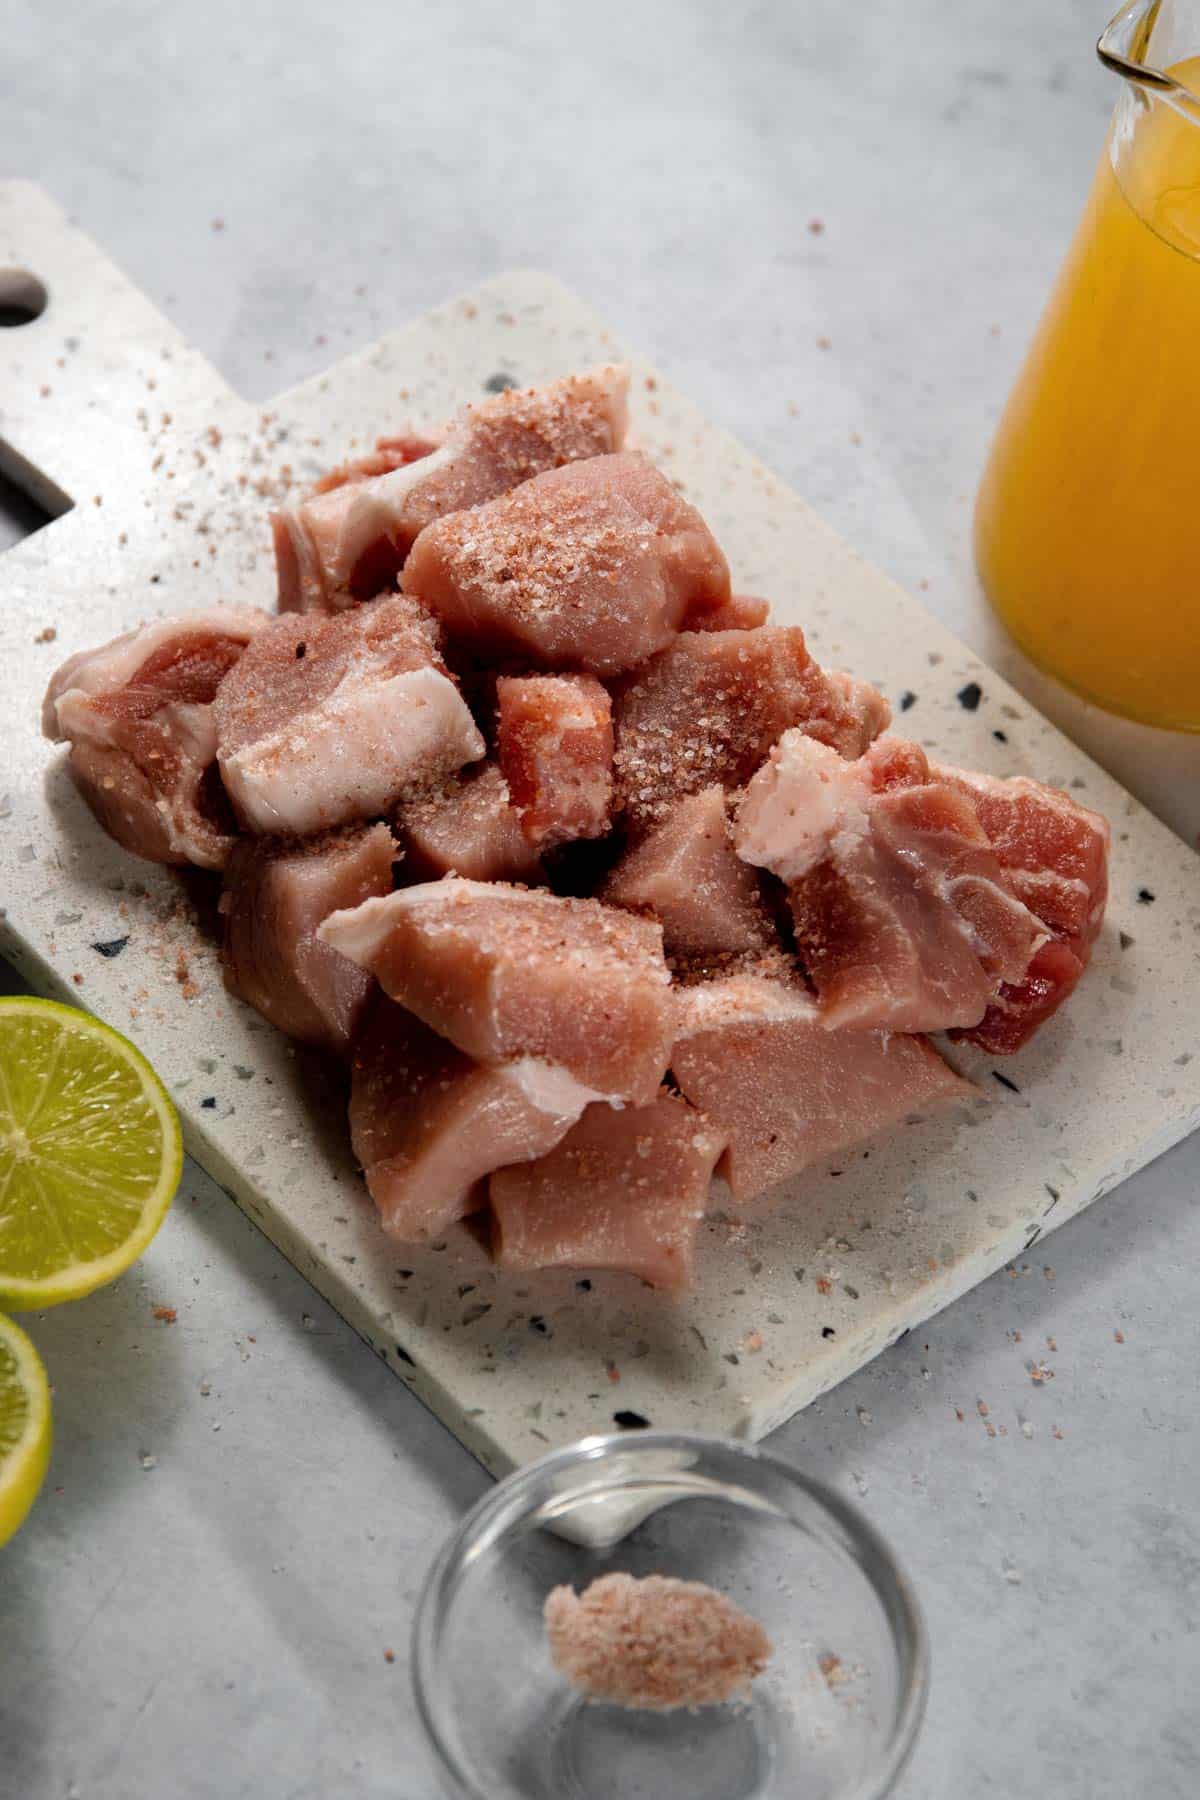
(1087, 526)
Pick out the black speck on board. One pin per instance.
(111, 947)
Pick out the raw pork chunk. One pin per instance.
(276, 894)
(904, 917)
(139, 717)
(741, 612)
(590, 567)
(1055, 854)
(428, 1124)
(505, 972)
(755, 1057)
(853, 717)
(469, 827)
(688, 876)
(555, 742)
(389, 453)
(347, 544)
(623, 1190)
(332, 720)
(709, 709)
(1021, 1007)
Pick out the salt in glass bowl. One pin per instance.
(834, 1715)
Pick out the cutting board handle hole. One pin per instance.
(23, 298)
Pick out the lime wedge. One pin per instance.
(90, 1153)
(24, 1426)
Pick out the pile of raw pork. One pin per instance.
(599, 882)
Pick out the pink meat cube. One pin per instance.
(1054, 850)
(428, 1124)
(138, 714)
(505, 972)
(853, 717)
(469, 827)
(622, 1190)
(904, 918)
(754, 1055)
(741, 612)
(686, 874)
(335, 719)
(593, 566)
(894, 763)
(555, 741)
(1020, 1008)
(1055, 855)
(276, 894)
(709, 709)
(805, 795)
(389, 453)
(347, 544)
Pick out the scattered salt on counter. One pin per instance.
(655, 1643)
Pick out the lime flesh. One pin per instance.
(90, 1153)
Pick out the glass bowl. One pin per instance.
(832, 1718)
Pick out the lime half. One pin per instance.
(90, 1153)
(24, 1426)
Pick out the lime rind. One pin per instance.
(25, 1427)
(90, 1199)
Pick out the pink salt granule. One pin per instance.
(655, 1643)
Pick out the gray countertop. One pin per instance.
(242, 1504)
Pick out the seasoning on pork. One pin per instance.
(332, 720)
(1055, 855)
(138, 715)
(505, 972)
(710, 707)
(622, 1190)
(656, 1643)
(347, 544)
(686, 873)
(428, 1124)
(754, 1055)
(469, 827)
(276, 894)
(904, 918)
(554, 742)
(594, 566)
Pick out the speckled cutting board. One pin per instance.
(172, 477)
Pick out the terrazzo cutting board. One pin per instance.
(172, 477)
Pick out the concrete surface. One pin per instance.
(214, 1624)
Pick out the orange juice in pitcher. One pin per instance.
(1087, 529)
